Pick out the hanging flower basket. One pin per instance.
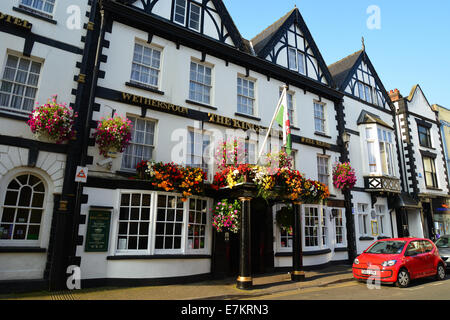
(285, 218)
(113, 135)
(172, 177)
(53, 122)
(344, 177)
(226, 216)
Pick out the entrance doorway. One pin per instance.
(261, 224)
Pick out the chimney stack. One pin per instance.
(395, 95)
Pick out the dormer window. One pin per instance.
(296, 60)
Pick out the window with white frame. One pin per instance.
(134, 222)
(142, 143)
(19, 83)
(312, 226)
(22, 209)
(322, 169)
(339, 225)
(381, 219)
(380, 150)
(250, 152)
(365, 92)
(386, 151)
(146, 65)
(363, 219)
(319, 117)
(179, 13)
(197, 224)
(169, 231)
(286, 237)
(290, 106)
(198, 149)
(200, 83)
(371, 144)
(194, 16)
(323, 222)
(245, 96)
(296, 60)
(44, 7)
(158, 222)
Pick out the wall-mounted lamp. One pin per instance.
(346, 139)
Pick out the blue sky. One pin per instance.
(412, 46)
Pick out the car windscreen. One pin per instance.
(387, 247)
(443, 242)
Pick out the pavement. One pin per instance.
(263, 285)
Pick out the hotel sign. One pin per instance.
(6, 19)
(153, 104)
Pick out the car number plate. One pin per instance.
(371, 272)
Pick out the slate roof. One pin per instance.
(263, 38)
(340, 69)
(368, 117)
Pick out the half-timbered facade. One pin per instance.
(424, 163)
(369, 123)
(183, 74)
(41, 54)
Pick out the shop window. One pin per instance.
(22, 209)
(197, 224)
(134, 222)
(19, 83)
(339, 225)
(161, 223)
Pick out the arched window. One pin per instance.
(22, 208)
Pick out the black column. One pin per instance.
(297, 273)
(244, 280)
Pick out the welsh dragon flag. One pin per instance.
(282, 118)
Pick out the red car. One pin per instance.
(399, 261)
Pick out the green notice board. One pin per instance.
(97, 235)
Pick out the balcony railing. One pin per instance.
(382, 184)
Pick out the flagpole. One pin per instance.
(271, 122)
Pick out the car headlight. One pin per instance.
(389, 263)
(356, 261)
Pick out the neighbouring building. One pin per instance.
(442, 212)
(425, 177)
(373, 153)
(40, 57)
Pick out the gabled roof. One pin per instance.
(221, 10)
(269, 37)
(341, 69)
(368, 117)
(413, 92)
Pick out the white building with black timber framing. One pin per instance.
(183, 65)
(41, 55)
(424, 163)
(373, 153)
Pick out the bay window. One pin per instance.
(380, 151)
(161, 223)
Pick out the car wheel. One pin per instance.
(440, 274)
(403, 279)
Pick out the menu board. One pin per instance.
(97, 235)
